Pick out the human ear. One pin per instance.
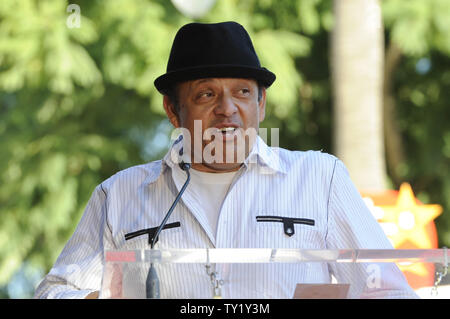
(262, 105)
(169, 107)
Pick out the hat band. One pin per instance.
(261, 75)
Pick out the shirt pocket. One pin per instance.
(288, 222)
(288, 232)
(170, 234)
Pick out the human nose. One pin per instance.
(226, 106)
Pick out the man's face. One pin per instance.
(224, 113)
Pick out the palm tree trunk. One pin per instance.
(395, 153)
(357, 79)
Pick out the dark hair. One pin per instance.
(172, 94)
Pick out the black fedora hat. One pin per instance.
(202, 50)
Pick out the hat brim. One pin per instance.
(262, 75)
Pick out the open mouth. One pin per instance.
(227, 130)
(228, 133)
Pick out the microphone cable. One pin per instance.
(152, 283)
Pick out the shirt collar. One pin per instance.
(266, 159)
(175, 155)
(169, 160)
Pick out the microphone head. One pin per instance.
(185, 166)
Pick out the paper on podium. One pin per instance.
(321, 291)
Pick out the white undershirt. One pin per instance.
(209, 189)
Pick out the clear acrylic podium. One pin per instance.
(272, 273)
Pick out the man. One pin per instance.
(242, 194)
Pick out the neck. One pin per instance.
(217, 168)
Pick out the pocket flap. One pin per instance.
(288, 222)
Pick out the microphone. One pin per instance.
(152, 283)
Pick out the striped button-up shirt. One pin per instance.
(278, 199)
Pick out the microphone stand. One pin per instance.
(152, 283)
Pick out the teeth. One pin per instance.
(227, 129)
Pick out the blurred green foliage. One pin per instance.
(78, 104)
(421, 29)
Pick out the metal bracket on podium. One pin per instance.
(440, 273)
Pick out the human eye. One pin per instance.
(204, 95)
(244, 91)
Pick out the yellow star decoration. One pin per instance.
(407, 221)
(410, 219)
